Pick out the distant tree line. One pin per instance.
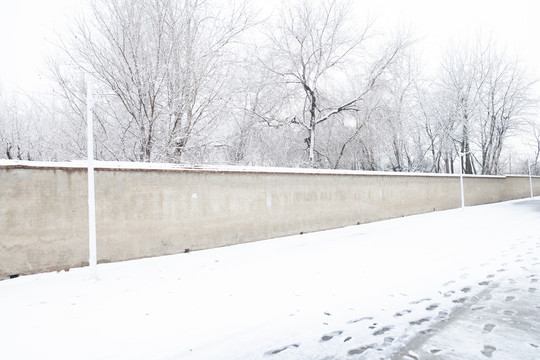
(198, 81)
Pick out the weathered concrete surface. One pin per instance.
(43, 220)
(519, 187)
(480, 190)
(151, 212)
(146, 213)
(485, 190)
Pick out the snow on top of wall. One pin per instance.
(124, 165)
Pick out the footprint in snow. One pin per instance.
(488, 350)
(277, 351)
(362, 349)
(427, 331)
(419, 322)
(382, 330)
(488, 327)
(419, 301)
(331, 335)
(432, 307)
(443, 315)
(411, 356)
(401, 313)
(360, 319)
(449, 293)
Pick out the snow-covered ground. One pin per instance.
(358, 292)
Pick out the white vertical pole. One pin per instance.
(91, 187)
(461, 180)
(530, 177)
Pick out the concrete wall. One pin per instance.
(197, 210)
(517, 187)
(485, 190)
(144, 212)
(43, 220)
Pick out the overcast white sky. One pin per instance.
(27, 25)
(26, 28)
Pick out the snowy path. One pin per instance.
(361, 292)
(502, 322)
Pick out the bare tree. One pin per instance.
(462, 81)
(165, 62)
(399, 115)
(438, 119)
(534, 144)
(308, 50)
(26, 129)
(506, 100)
(491, 97)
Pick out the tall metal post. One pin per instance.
(530, 178)
(92, 247)
(461, 180)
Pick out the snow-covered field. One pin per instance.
(358, 292)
